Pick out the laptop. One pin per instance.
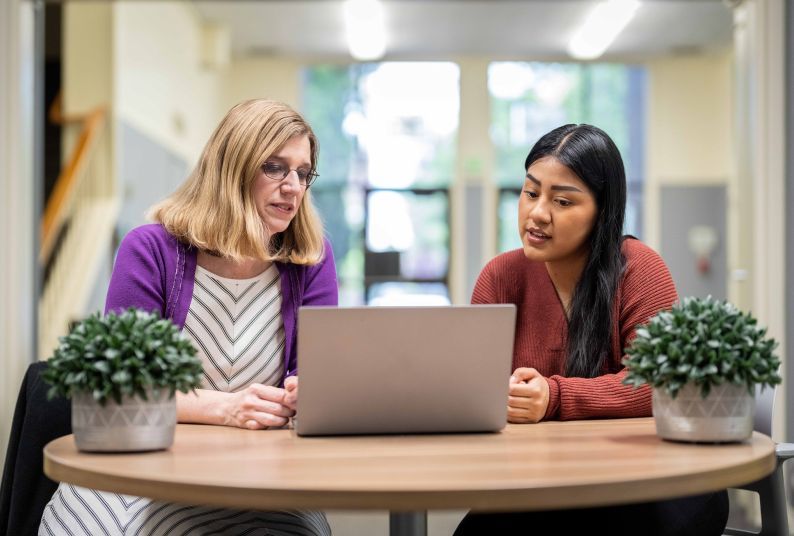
(397, 370)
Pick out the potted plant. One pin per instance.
(122, 372)
(703, 359)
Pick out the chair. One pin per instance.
(771, 489)
(25, 490)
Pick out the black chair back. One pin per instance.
(25, 489)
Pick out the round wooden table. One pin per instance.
(525, 467)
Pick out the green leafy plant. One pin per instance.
(123, 354)
(703, 341)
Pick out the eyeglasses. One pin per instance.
(277, 172)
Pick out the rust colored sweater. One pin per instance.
(542, 329)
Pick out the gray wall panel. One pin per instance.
(682, 208)
(473, 227)
(789, 230)
(149, 173)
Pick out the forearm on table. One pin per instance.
(601, 397)
(204, 406)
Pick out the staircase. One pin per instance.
(77, 226)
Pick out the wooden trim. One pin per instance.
(58, 205)
(55, 113)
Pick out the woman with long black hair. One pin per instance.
(581, 288)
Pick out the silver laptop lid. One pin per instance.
(366, 370)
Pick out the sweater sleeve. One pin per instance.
(645, 289)
(138, 276)
(322, 287)
(485, 289)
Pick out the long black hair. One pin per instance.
(590, 153)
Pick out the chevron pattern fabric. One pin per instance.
(237, 328)
(76, 511)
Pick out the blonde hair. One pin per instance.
(213, 209)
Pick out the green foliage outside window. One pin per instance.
(382, 126)
(608, 96)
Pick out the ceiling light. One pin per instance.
(603, 24)
(365, 27)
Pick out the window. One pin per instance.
(387, 136)
(530, 99)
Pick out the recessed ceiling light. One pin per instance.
(601, 27)
(365, 29)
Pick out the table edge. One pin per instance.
(555, 497)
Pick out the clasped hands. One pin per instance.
(262, 406)
(528, 396)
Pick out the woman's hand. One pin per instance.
(528, 396)
(291, 396)
(257, 407)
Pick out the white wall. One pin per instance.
(261, 77)
(162, 87)
(759, 34)
(143, 60)
(87, 76)
(689, 127)
(690, 140)
(16, 204)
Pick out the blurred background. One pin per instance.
(425, 112)
(422, 146)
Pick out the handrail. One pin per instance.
(77, 224)
(58, 206)
(55, 113)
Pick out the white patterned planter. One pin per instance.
(133, 425)
(725, 415)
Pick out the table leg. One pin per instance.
(408, 523)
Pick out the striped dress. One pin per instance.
(236, 327)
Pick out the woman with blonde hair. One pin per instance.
(234, 253)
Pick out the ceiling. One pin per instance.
(428, 29)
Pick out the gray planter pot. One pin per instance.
(133, 425)
(723, 416)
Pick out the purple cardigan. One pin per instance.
(155, 272)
